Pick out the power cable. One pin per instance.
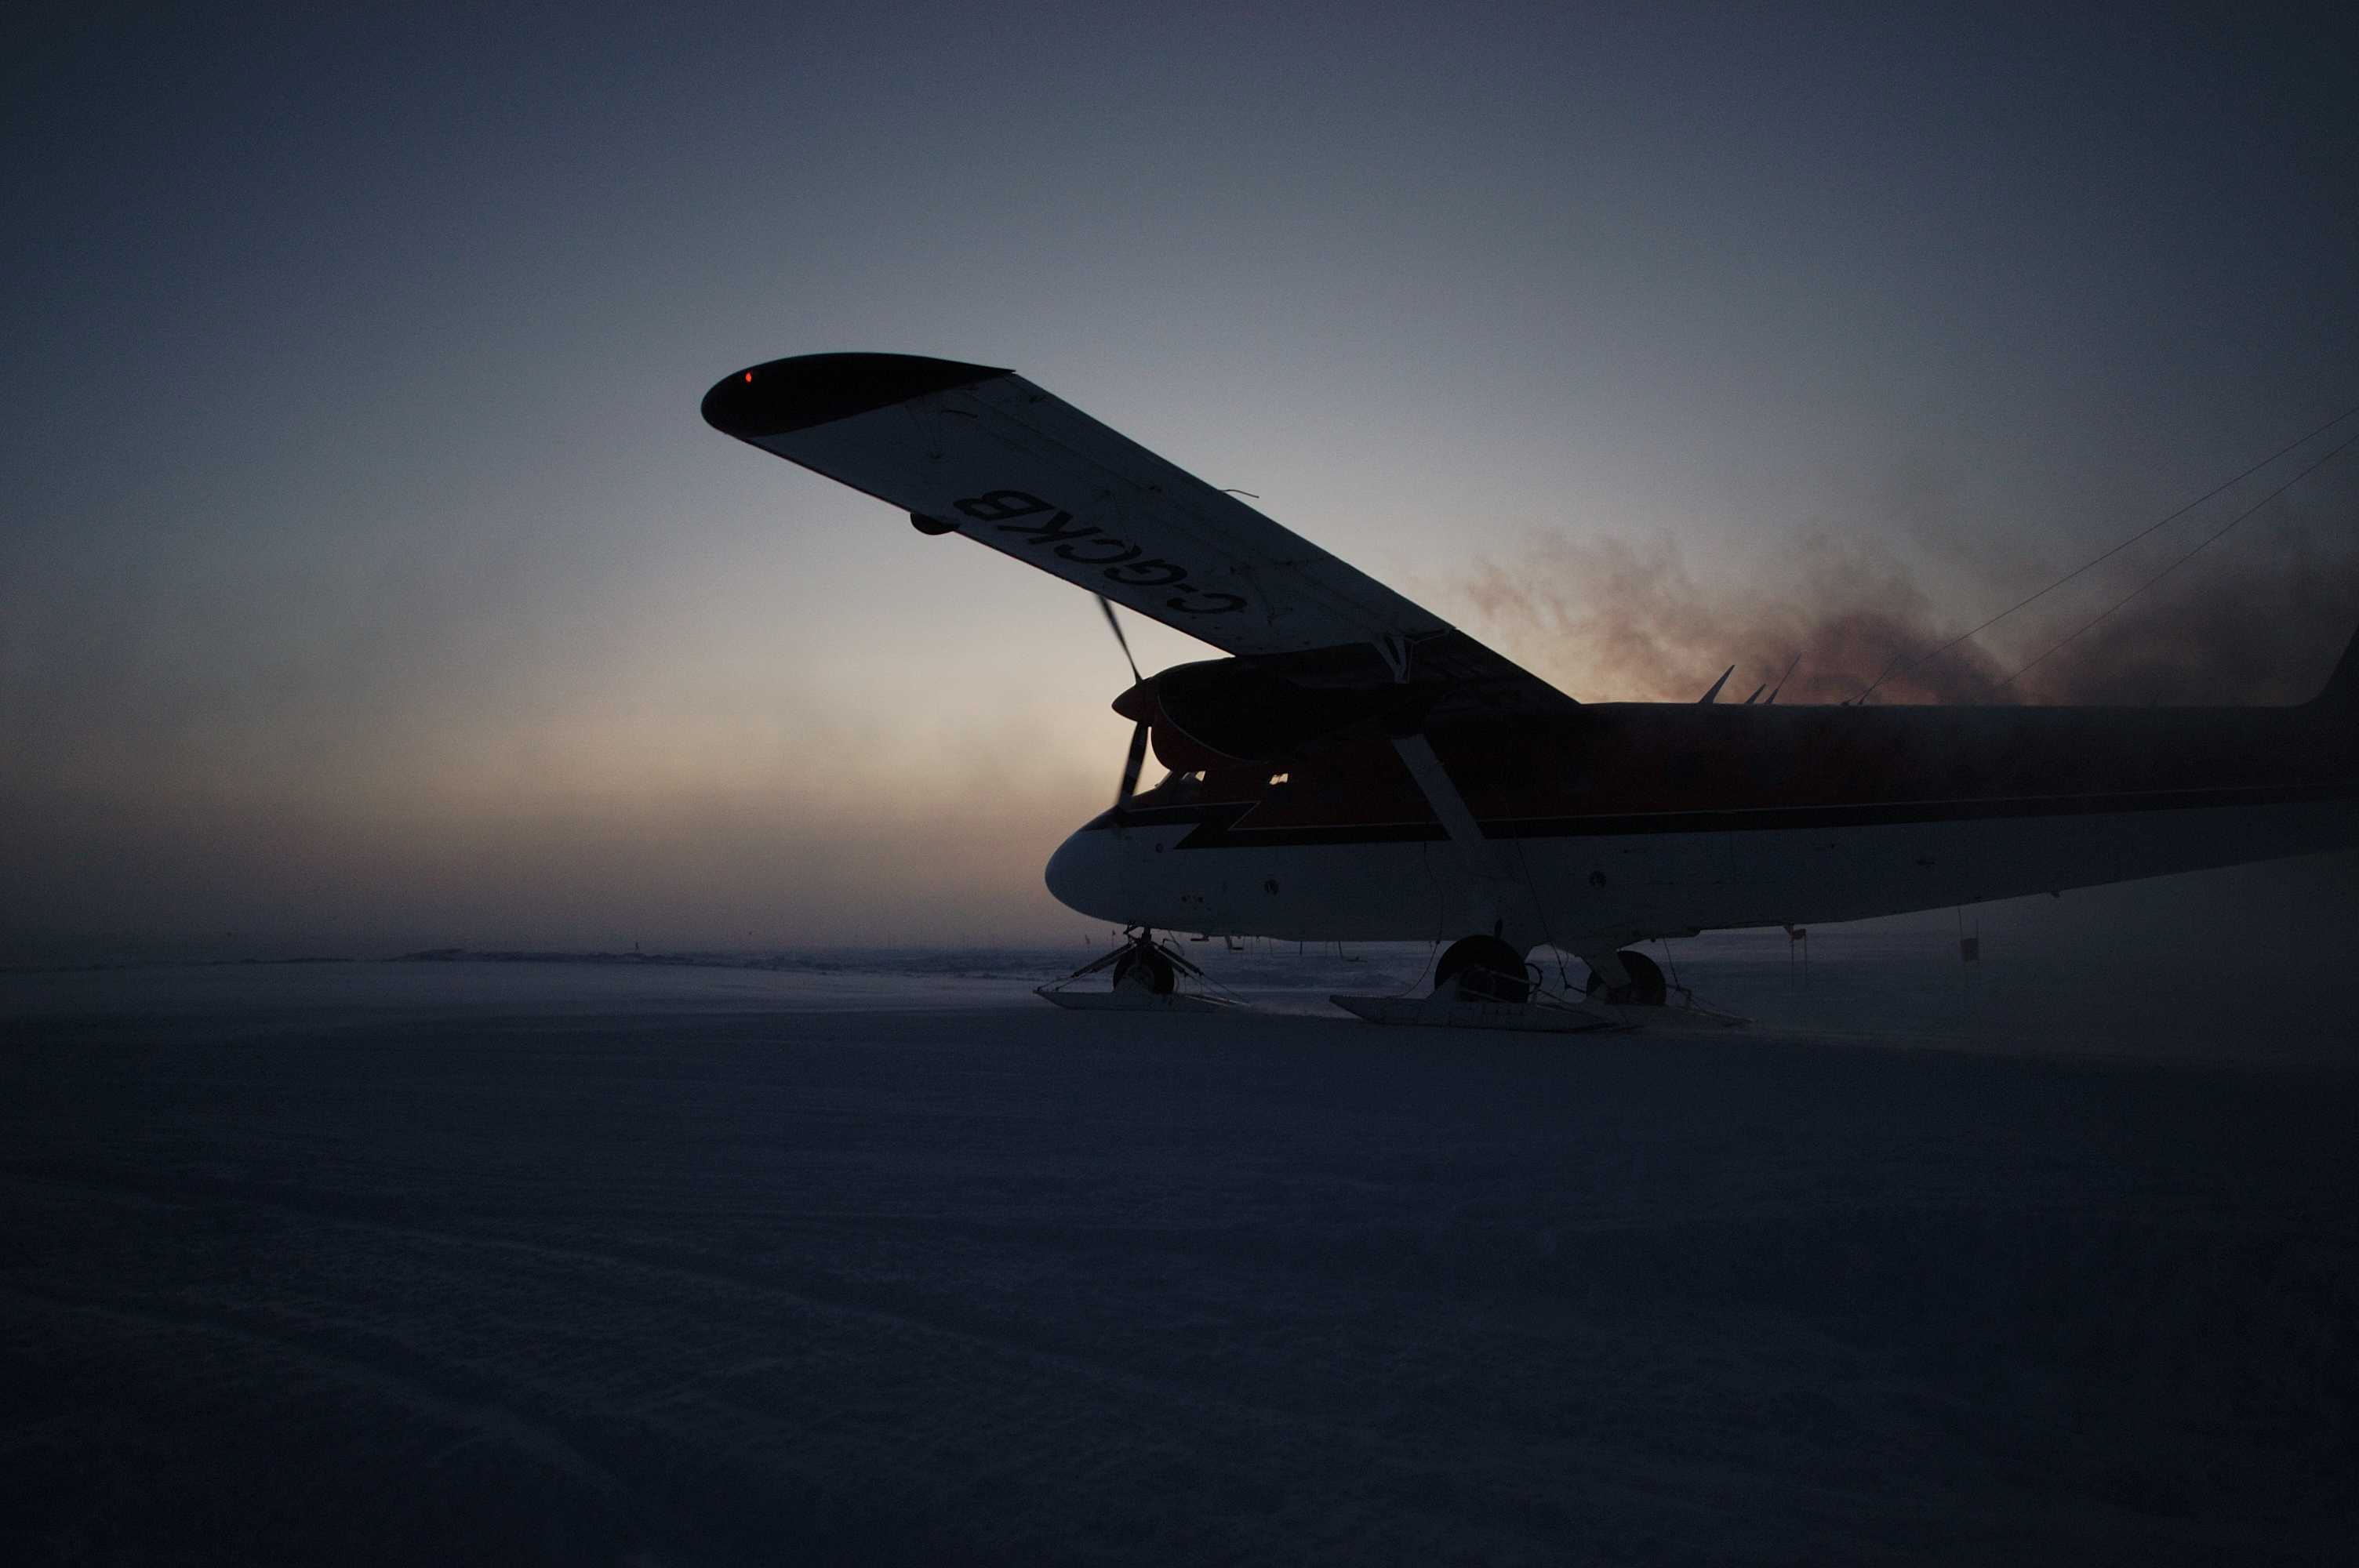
(1895, 667)
(2347, 443)
(1546, 936)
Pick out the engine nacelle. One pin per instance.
(1237, 711)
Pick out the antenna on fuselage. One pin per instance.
(1723, 681)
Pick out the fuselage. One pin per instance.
(1356, 767)
(1612, 823)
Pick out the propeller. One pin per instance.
(1107, 605)
(1131, 764)
(1136, 760)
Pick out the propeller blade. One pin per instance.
(1131, 764)
(1107, 605)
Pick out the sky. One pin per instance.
(372, 582)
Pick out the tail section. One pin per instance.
(2340, 693)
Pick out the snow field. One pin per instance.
(473, 1262)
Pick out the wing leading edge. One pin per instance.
(981, 451)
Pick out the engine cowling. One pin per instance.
(1240, 710)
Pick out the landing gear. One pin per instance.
(1644, 987)
(1484, 968)
(1483, 982)
(1140, 968)
(1146, 970)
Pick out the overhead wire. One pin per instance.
(1540, 909)
(1441, 921)
(2207, 543)
(1897, 667)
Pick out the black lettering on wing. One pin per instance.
(1214, 604)
(1151, 573)
(1120, 559)
(999, 505)
(1056, 529)
(1122, 552)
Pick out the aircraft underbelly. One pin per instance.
(1622, 886)
(1800, 876)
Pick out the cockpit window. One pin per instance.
(1176, 788)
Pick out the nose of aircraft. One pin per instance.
(1085, 875)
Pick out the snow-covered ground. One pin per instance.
(872, 1257)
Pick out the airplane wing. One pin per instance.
(975, 451)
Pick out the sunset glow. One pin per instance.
(1635, 346)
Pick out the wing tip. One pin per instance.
(781, 396)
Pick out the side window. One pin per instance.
(1178, 788)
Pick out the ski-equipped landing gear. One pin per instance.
(1482, 982)
(1138, 966)
(1148, 972)
(1483, 968)
(1645, 985)
(1631, 984)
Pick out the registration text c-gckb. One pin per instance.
(1043, 526)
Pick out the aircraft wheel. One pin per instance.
(1646, 988)
(1154, 969)
(1495, 969)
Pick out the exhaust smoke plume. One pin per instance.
(1615, 620)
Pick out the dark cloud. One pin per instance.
(2236, 624)
(370, 574)
(1614, 619)
(1620, 619)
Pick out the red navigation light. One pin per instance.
(749, 375)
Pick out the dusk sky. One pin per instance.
(371, 581)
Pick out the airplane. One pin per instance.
(1356, 769)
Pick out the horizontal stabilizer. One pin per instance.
(2342, 689)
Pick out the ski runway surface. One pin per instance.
(470, 1261)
